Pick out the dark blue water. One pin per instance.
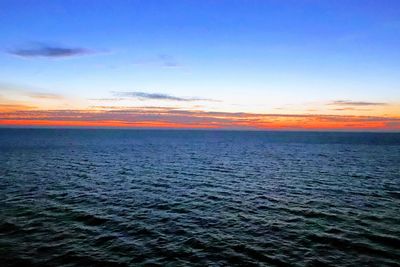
(207, 198)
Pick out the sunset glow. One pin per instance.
(267, 65)
(177, 118)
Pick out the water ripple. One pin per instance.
(155, 198)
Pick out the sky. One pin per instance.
(212, 64)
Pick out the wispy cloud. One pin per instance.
(29, 91)
(14, 107)
(162, 60)
(45, 95)
(168, 61)
(112, 99)
(158, 96)
(351, 109)
(356, 103)
(49, 51)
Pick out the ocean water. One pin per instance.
(75, 197)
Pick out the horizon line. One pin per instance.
(29, 127)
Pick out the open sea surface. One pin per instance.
(87, 197)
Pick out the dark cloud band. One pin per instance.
(356, 103)
(158, 96)
(50, 51)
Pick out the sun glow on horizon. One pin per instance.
(273, 65)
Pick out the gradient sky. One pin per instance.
(267, 64)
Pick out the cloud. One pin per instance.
(45, 95)
(28, 91)
(158, 96)
(351, 109)
(356, 103)
(165, 117)
(14, 107)
(49, 51)
(162, 60)
(112, 99)
(394, 124)
(168, 61)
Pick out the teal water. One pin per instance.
(73, 197)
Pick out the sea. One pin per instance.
(124, 197)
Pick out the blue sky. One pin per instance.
(253, 56)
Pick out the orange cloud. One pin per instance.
(161, 117)
(13, 107)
